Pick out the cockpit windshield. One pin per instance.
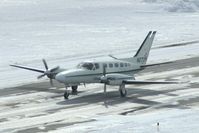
(86, 65)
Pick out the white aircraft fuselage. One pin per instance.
(92, 71)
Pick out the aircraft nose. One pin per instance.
(60, 77)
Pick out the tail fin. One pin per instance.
(143, 52)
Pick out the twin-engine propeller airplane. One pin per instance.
(117, 72)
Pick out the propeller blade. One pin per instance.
(45, 64)
(28, 68)
(40, 76)
(104, 88)
(51, 82)
(54, 69)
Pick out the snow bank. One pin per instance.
(176, 5)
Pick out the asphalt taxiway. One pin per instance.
(37, 107)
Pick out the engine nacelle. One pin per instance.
(115, 82)
(117, 79)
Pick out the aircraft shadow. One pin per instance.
(33, 87)
(112, 98)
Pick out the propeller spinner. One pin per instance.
(50, 73)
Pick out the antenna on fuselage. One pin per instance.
(113, 57)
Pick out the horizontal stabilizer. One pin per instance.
(150, 65)
(112, 56)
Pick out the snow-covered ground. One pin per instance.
(169, 122)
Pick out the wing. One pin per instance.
(126, 79)
(28, 68)
(149, 82)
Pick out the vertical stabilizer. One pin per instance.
(143, 52)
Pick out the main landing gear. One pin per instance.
(122, 90)
(74, 89)
(67, 92)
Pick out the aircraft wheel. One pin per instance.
(66, 95)
(74, 89)
(122, 91)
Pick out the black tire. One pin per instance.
(74, 89)
(66, 95)
(123, 92)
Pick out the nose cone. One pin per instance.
(60, 77)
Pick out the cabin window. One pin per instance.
(110, 65)
(96, 66)
(116, 64)
(121, 65)
(125, 64)
(104, 65)
(129, 64)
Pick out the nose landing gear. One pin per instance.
(67, 92)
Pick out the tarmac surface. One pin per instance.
(37, 107)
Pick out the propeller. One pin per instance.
(104, 78)
(49, 72)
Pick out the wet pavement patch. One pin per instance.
(179, 44)
(194, 85)
(189, 101)
(3, 120)
(12, 105)
(36, 115)
(50, 127)
(134, 110)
